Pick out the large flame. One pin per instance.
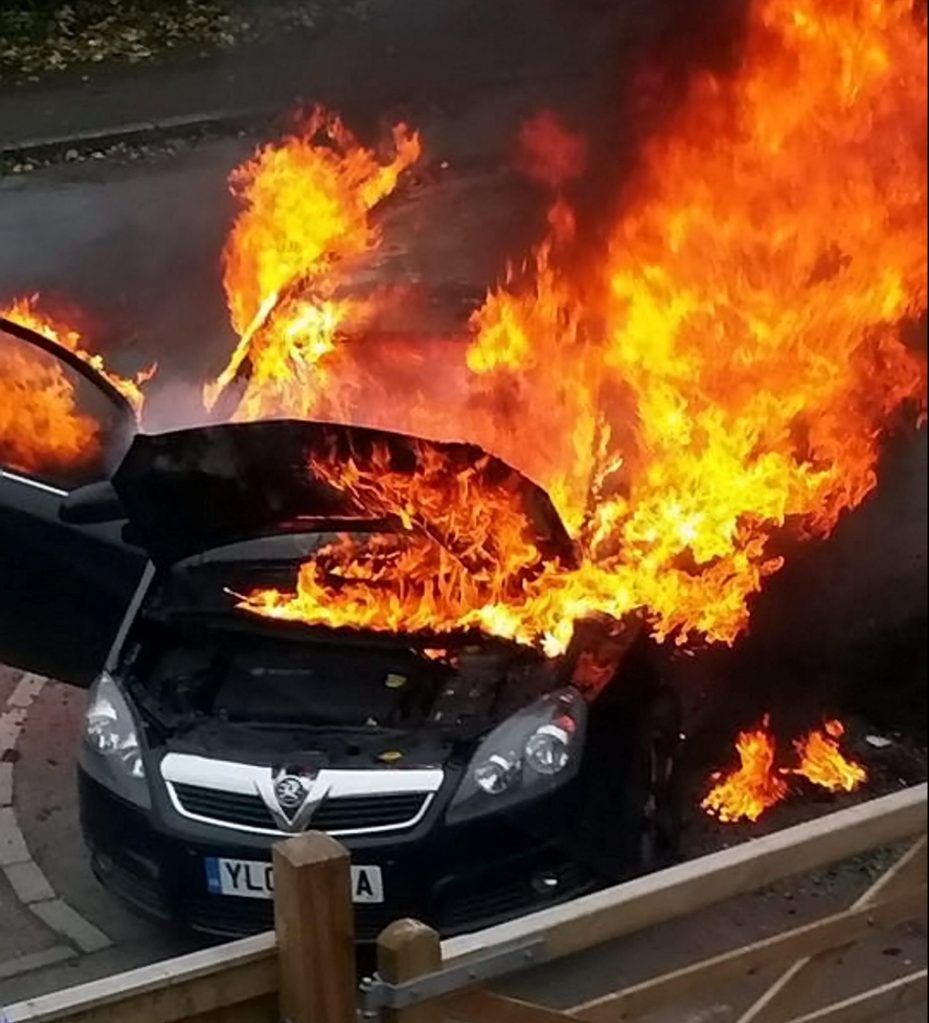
(306, 202)
(42, 428)
(748, 311)
(724, 365)
(459, 559)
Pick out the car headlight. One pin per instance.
(110, 750)
(537, 749)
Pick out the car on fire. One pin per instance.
(471, 778)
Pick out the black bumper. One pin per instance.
(455, 879)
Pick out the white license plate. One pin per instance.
(254, 879)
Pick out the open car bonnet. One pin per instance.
(193, 490)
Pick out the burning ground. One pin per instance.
(698, 383)
(759, 783)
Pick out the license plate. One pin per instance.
(254, 879)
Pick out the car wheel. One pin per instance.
(626, 818)
(655, 798)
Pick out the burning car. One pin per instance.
(403, 641)
(470, 775)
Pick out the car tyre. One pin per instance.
(654, 810)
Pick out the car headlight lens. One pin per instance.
(533, 751)
(496, 774)
(549, 749)
(111, 751)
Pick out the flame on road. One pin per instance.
(823, 763)
(755, 786)
(760, 783)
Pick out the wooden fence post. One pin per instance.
(315, 928)
(407, 949)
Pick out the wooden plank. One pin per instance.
(786, 994)
(678, 987)
(484, 1007)
(668, 894)
(315, 927)
(905, 993)
(164, 992)
(255, 1010)
(406, 950)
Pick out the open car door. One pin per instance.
(63, 586)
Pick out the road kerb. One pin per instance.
(6, 784)
(28, 882)
(12, 844)
(140, 132)
(35, 961)
(67, 922)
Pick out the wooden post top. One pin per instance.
(408, 949)
(310, 847)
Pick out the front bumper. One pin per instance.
(454, 879)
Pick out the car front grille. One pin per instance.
(231, 917)
(133, 880)
(228, 917)
(227, 807)
(474, 904)
(349, 813)
(338, 814)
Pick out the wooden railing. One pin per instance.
(305, 972)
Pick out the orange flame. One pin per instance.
(306, 203)
(741, 349)
(459, 562)
(758, 783)
(754, 787)
(41, 427)
(725, 365)
(25, 312)
(824, 764)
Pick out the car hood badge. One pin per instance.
(291, 791)
(296, 795)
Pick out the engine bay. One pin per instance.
(276, 689)
(212, 679)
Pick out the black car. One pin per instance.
(471, 778)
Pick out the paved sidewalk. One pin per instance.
(57, 925)
(397, 54)
(39, 928)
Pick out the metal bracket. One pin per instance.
(376, 994)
